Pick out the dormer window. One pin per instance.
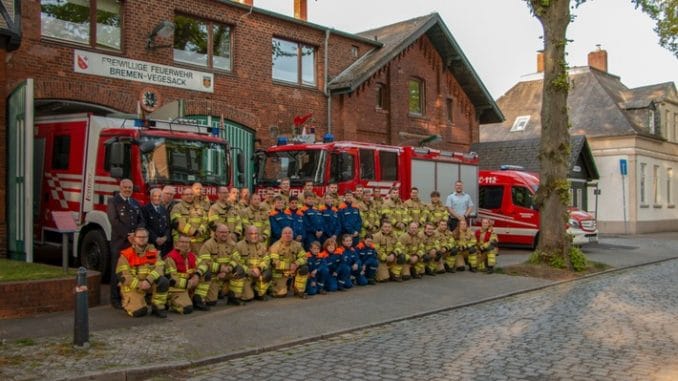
(520, 123)
(650, 123)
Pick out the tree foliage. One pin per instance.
(665, 15)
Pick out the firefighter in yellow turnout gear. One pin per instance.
(181, 266)
(436, 211)
(219, 257)
(449, 246)
(223, 212)
(389, 253)
(416, 209)
(141, 272)
(467, 251)
(394, 209)
(190, 219)
(254, 254)
(488, 244)
(288, 260)
(413, 249)
(433, 250)
(257, 214)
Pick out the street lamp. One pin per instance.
(163, 30)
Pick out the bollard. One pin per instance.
(81, 329)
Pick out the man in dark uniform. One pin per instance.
(157, 223)
(124, 214)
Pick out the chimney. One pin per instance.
(300, 10)
(598, 59)
(246, 2)
(540, 61)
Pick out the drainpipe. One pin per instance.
(327, 78)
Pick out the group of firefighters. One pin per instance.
(189, 254)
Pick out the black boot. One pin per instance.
(235, 301)
(490, 269)
(161, 313)
(199, 304)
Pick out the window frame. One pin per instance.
(642, 183)
(381, 93)
(388, 172)
(300, 66)
(367, 164)
(61, 152)
(449, 105)
(210, 44)
(92, 29)
(497, 196)
(421, 85)
(520, 123)
(669, 186)
(656, 188)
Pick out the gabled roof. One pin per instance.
(599, 105)
(396, 38)
(525, 153)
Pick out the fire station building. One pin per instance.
(230, 63)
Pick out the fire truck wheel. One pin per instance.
(93, 252)
(535, 242)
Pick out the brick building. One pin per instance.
(259, 70)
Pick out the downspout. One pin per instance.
(327, 78)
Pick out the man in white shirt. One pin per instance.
(459, 205)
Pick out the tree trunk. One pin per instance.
(553, 195)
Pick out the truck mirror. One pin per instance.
(240, 162)
(147, 146)
(117, 154)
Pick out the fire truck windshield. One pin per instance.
(183, 161)
(299, 166)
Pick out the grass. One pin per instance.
(12, 271)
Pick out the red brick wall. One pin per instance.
(21, 299)
(357, 117)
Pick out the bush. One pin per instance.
(578, 259)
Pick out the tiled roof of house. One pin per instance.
(396, 38)
(599, 105)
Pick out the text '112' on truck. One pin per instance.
(81, 158)
(377, 167)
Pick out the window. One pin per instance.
(202, 43)
(342, 165)
(70, 20)
(642, 183)
(675, 125)
(669, 179)
(521, 196)
(449, 105)
(490, 196)
(650, 123)
(355, 51)
(667, 125)
(293, 62)
(61, 152)
(655, 185)
(367, 164)
(520, 123)
(127, 154)
(381, 96)
(415, 88)
(388, 163)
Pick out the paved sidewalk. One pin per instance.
(123, 348)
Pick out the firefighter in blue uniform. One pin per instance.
(297, 216)
(313, 221)
(368, 258)
(332, 227)
(156, 217)
(278, 219)
(349, 218)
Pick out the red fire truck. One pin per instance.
(80, 159)
(377, 167)
(507, 198)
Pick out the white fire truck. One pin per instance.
(377, 167)
(80, 159)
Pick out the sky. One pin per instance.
(501, 38)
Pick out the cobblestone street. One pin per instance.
(620, 326)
